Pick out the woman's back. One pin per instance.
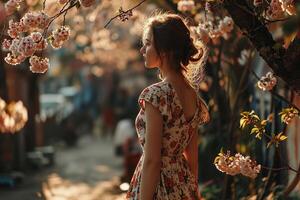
(187, 97)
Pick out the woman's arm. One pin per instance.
(191, 154)
(152, 152)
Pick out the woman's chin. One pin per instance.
(147, 66)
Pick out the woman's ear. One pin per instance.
(167, 57)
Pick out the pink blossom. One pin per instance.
(288, 6)
(56, 44)
(7, 122)
(42, 44)
(22, 26)
(226, 25)
(6, 44)
(185, 5)
(237, 164)
(29, 19)
(267, 82)
(13, 29)
(39, 40)
(215, 33)
(36, 36)
(19, 114)
(274, 11)
(13, 116)
(35, 20)
(62, 33)
(14, 59)
(27, 46)
(227, 164)
(38, 64)
(248, 167)
(42, 19)
(59, 36)
(14, 47)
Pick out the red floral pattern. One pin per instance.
(176, 180)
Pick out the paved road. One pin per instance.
(89, 171)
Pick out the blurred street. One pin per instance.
(89, 171)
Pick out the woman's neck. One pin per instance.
(171, 75)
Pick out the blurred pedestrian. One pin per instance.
(124, 130)
(108, 120)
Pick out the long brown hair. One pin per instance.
(172, 37)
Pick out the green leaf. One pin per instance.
(258, 135)
(242, 123)
(283, 137)
(254, 130)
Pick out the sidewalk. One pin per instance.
(89, 171)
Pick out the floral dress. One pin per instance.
(176, 179)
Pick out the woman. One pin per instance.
(170, 113)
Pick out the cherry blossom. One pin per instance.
(38, 64)
(35, 20)
(267, 82)
(40, 42)
(202, 34)
(27, 46)
(59, 36)
(185, 5)
(14, 59)
(226, 25)
(237, 164)
(274, 11)
(6, 44)
(223, 29)
(13, 29)
(288, 6)
(13, 116)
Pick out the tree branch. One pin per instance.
(129, 10)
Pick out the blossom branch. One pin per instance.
(277, 95)
(281, 168)
(273, 53)
(127, 11)
(278, 20)
(44, 4)
(62, 11)
(276, 169)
